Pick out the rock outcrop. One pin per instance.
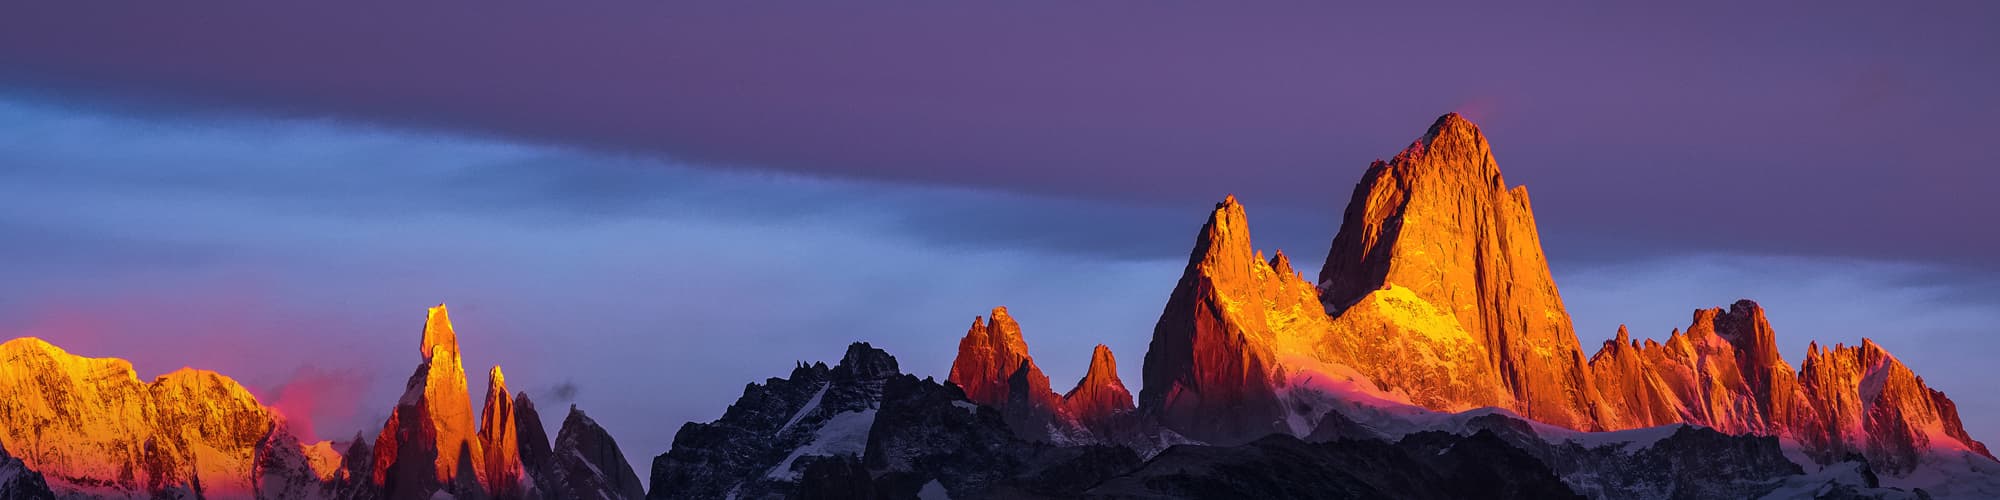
(1099, 396)
(89, 426)
(18, 482)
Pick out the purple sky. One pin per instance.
(624, 194)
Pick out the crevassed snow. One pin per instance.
(846, 433)
(811, 404)
(933, 491)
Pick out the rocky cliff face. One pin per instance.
(89, 426)
(1440, 222)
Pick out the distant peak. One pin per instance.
(865, 361)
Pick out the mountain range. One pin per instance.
(1432, 357)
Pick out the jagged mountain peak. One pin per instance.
(866, 362)
(993, 368)
(989, 355)
(1099, 394)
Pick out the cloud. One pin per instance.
(313, 395)
(564, 392)
(1631, 134)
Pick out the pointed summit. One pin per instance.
(1100, 393)
(1439, 220)
(438, 334)
(506, 477)
(1212, 370)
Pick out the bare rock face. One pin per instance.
(532, 443)
(499, 436)
(90, 427)
(1439, 221)
(432, 433)
(1213, 369)
(588, 463)
(1099, 395)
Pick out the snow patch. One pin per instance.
(811, 404)
(1632, 439)
(846, 433)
